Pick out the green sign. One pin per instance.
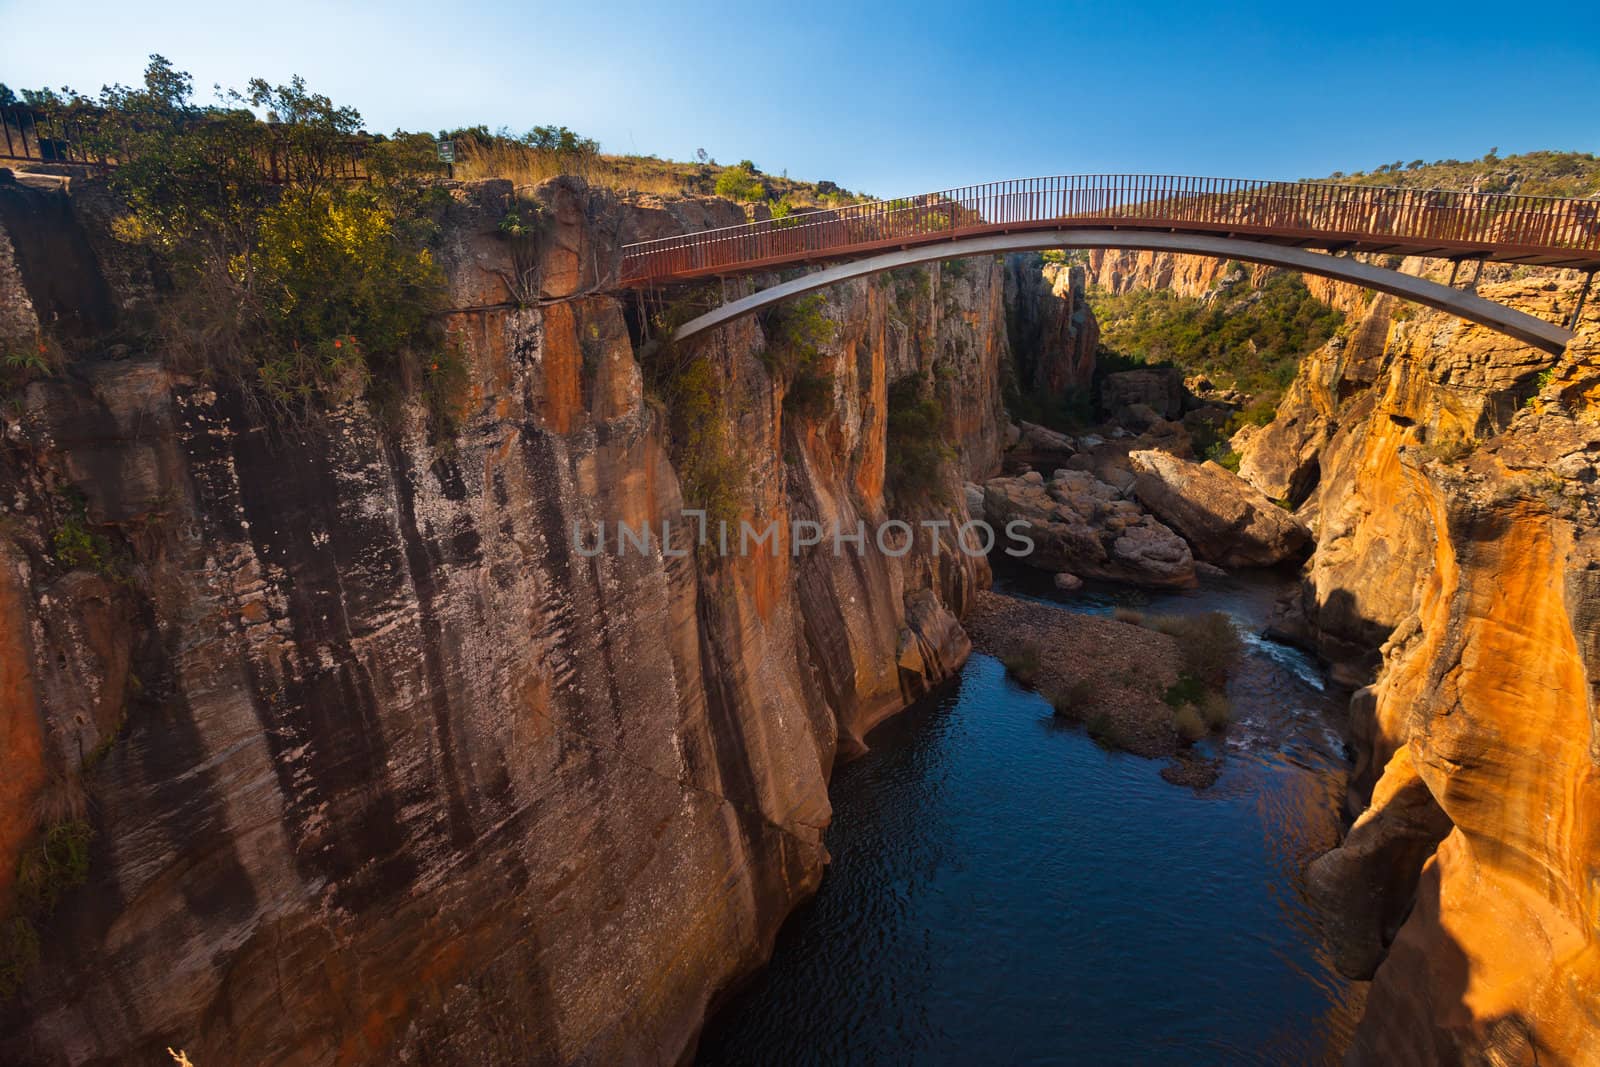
(447, 151)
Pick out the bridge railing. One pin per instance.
(80, 136)
(1315, 211)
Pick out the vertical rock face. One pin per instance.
(1400, 377)
(380, 766)
(1500, 957)
(1450, 476)
(1122, 270)
(1053, 332)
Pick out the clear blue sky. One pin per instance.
(898, 97)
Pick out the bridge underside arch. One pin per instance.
(1467, 305)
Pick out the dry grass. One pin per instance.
(1216, 711)
(525, 165)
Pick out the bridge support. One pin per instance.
(1583, 294)
(1526, 328)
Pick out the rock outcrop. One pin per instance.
(379, 765)
(1225, 519)
(1082, 526)
(1159, 390)
(1053, 332)
(1451, 481)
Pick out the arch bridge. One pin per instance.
(1303, 226)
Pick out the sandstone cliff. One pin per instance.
(1449, 474)
(378, 767)
(1053, 331)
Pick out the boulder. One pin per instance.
(1226, 520)
(1139, 416)
(1068, 582)
(1158, 388)
(1082, 525)
(1041, 444)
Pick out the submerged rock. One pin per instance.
(1226, 520)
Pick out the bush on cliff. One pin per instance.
(305, 287)
(915, 452)
(691, 393)
(741, 183)
(796, 331)
(56, 862)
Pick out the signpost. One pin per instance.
(447, 156)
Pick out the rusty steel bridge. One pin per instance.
(1307, 226)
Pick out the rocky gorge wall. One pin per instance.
(1450, 477)
(378, 767)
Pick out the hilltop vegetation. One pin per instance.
(303, 288)
(1532, 173)
(1239, 335)
(547, 151)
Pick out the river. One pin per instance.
(1003, 890)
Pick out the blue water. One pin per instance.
(1004, 891)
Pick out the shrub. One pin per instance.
(1128, 615)
(340, 297)
(1023, 665)
(915, 453)
(1069, 702)
(1069, 411)
(57, 862)
(60, 861)
(1215, 710)
(796, 331)
(1208, 642)
(713, 478)
(1224, 456)
(741, 183)
(1258, 412)
(19, 950)
(1186, 690)
(1449, 447)
(75, 547)
(690, 389)
(24, 359)
(1188, 724)
(1107, 732)
(303, 287)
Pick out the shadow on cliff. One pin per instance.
(59, 268)
(1417, 1010)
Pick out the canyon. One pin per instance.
(379, 767)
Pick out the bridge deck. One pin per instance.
(1534, 230)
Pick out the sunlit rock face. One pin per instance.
(384, 769)
(1452, 479)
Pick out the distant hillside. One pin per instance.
(546, 151)
(1533, 173)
